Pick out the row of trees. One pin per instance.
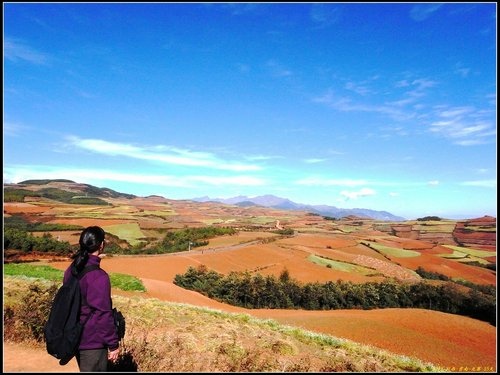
(21, 240)
(256, 291)
(183, 239)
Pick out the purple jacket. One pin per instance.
(99, 331)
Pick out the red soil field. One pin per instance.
(15, 208)
(88, 222)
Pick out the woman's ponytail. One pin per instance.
(90, 241)
(80, 261)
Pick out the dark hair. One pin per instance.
(90, 241)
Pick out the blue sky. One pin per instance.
(381, 106)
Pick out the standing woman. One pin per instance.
(99, 341)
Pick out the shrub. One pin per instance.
(25, 321)
(429, 218)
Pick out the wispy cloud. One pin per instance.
(481, 183)
(20, 173)
(238, 9)
(367, 97)
(262, 157)
(421, 12)
(277, 69)
(324, 16)
(314, 161)
(160, 154)
(358, 88)
(320, 181)
(492, 99)
(346, 104)
(420, 86)
(12, 129)
(461, 70)
(465, 126)
(15, 50)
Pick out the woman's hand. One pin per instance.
(113, 355)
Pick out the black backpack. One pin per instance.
(63, 329)
(119, 320)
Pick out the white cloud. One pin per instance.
(356, 194)
(160, 154)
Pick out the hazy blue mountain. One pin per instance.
(270, 201)
(286, 204)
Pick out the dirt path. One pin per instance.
(25, 358)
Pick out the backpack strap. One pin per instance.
(87, 270)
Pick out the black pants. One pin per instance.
(93, 360)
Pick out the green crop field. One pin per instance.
(472, 252)
(392, 251)
(342, 266)
(130, 232)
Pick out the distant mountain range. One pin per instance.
(269, 201)
(272, 201)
